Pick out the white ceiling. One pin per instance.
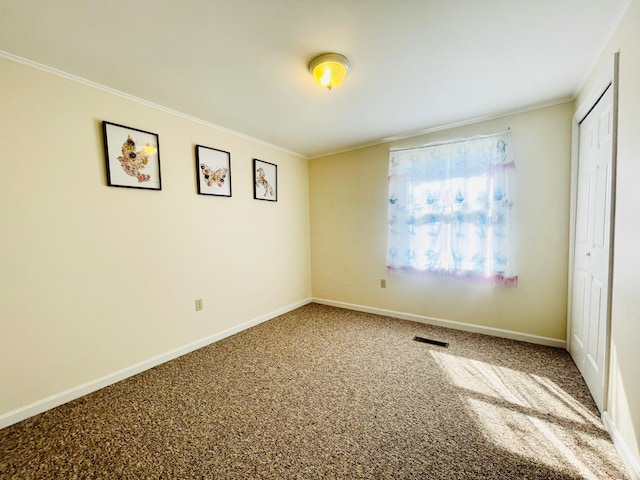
(242, 64)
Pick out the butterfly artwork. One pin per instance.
(212, 177)
(213, 171)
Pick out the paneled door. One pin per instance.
(591, 266)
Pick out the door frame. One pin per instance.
(608, 78)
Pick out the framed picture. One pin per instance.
(132, 156)
(213, 168)
(265, 181)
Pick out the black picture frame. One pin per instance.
(213, 170)
(132, 157)
(265, 180)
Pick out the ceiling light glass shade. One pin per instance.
(329, 69)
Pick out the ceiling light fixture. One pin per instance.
(329, 69)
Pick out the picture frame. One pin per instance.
(132, 157)
(213, 170)
(265, 180)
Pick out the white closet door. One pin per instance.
(589, 319)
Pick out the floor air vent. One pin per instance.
(431, 342)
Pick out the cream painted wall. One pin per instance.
(624, 381)
(348, 195)
(95, 278)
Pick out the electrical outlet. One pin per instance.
(198, 304)
(383, 283)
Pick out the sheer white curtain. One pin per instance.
(451, 209)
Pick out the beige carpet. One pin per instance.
(325, 393)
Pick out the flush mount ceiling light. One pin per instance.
(329, 69)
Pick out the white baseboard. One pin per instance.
(631, 463)
(467, 327)
(58, 399)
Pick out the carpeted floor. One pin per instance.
(325, 393)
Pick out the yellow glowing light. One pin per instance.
(329, 69)
(149, 150)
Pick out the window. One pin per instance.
(451, 209)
